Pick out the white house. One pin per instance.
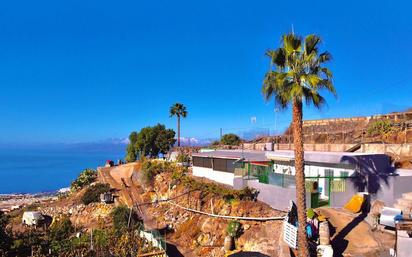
(220, 165)
(331, 177)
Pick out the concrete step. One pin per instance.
(407, 195)
(405, 202)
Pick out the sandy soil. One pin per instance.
(352, 236)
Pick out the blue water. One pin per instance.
(43, 170)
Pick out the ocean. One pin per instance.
(45, 169)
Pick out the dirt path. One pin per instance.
(120, 178)
(350, 234)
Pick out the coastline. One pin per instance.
(13, 201)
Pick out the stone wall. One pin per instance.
(396, 149)
(392, 116)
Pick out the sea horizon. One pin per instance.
(46, 169)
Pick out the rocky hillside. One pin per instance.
(194, 234)
(395, 128)
(203, 235)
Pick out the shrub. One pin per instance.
(5, 240)
(230, 139)
(120, 216)
(85, 178)
(61, 229)
(233, 228)
(150, 168)
(93, 192)
(226, 193)
(380, 127)
(183, 157)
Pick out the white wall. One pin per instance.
(310, 170)
(313, 171)
(218, 176)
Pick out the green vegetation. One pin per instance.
(85, 178)
(178, 110)
(4, 238)
(61, 240)
(297, 74)
(121, 215)
(23, 242)
(60, 232)
(233, 228)
(93, 192)
(212, 188)
(380, 127)
(150, 168)
(150, 142)
(230, 139)
(183, 157)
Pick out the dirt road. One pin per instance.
(120, 178)
(352, 236)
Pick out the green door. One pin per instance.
(263, 175)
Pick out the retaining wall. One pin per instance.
(397, 149)
(276, 197)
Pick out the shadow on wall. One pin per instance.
(370, 172)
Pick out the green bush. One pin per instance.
(233, 228)
(61, 229)
(226, 193)
(183, 157)
(150, 141)
(93, 192)
(5, 240)
(85, 178)
(380, 127)
(150, 168)
(120, 216)
(230, 139)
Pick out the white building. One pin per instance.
(221, 165)
(333, 177)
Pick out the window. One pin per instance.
(219, 164)
(328, 173)
(204, 162)
(198, 161)
(230, 167)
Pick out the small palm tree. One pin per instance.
(297, 75)
(178, 110)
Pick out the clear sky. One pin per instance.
(77, 71)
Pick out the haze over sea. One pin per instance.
(47, 168)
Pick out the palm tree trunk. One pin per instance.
(303, 247)
(178, 131)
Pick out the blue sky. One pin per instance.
(78, 71)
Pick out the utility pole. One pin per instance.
(221, 133)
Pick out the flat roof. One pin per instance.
(316, 156)
(258, 156)
(284, 155)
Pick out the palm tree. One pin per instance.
(296, 75)
(178, 110)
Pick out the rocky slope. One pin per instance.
(202, 235)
